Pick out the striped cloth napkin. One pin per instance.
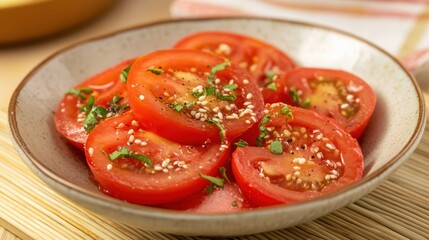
(401, 27)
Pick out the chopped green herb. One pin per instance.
(88, 106)
(234, 204)
(222, 131)
(286, 111)
(295, 96)
(216, 69)
(214, 182)
(79, 92)
(263, 130)
(177, 107)
(124, 152)
(222, 171)
(272, 86)
(156, 71)
(270, 75)
(231, 86)
(241, 143)
(306, 103)
(93, 117)
(276, 147)
(115, 107)
(124, 74)
(209, 90)
(230, 98)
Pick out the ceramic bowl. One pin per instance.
(392, 135)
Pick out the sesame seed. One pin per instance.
(296, 168)
(134, 123)
(303, 130)
(332, 176)
(109, 166)
(217, 80)
(165, 162)
(253, 119)
(202, 98)
(288, 177)
(131, 131)
(197, 115)
(302, 160)
(90, 151)
(344, 105)
(202, 110)
(335, 172)
(165, 170)
(327, 177)
(120, 125)
(247, 103)
(319, 155)
(220, 115)
(227, 107)
(248, 122)
(157, 167)
(137, 141)
(318, 137)
(143, 143)
(215, 109)
(299, 181)
(204, 102)
(339, 164)
(296, 173)
(193, 69)
(245, 81)
(330, 146)
(141, 97)
(250, 106)
(249, 96)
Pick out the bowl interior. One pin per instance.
(386, 141)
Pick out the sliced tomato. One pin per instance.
(299, 155)
(265, 63)
(337, 94)
(103, 87)
(138, 166)
(222, 200)
(190, 97)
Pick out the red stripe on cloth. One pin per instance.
(413, 61)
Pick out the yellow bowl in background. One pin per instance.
(23, 20)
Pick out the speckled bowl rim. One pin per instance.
(181, 215)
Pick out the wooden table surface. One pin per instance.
(398, 209)
(17, 61)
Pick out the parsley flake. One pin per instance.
(222, 171)
(156, 71)
(276, 147)
(222, 131)
(286, 111)
(216, 69)
(230, 86)
(295, 96)
(93, 117)
(214, 182)
(241, 143)
(124, 152)
(124, 74)
(306, 103)
(79, 92)
(263, 130)
(270, 75)
(115, 107)
(272, 86)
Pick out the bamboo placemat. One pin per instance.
(398, 209)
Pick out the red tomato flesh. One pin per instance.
(167, 92)
(302, 155)
(104, 86)
(337, 94)
(174, 174)
(265, 63)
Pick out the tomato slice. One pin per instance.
(71, 113)
(265, 63)
(337, 94)
(190, 96)
(138, 166)
(301, 155)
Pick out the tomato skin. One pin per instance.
(254, 55)
(263, 193)
(156, 115)
(301, 79)
(105, 85)
(127, 179)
